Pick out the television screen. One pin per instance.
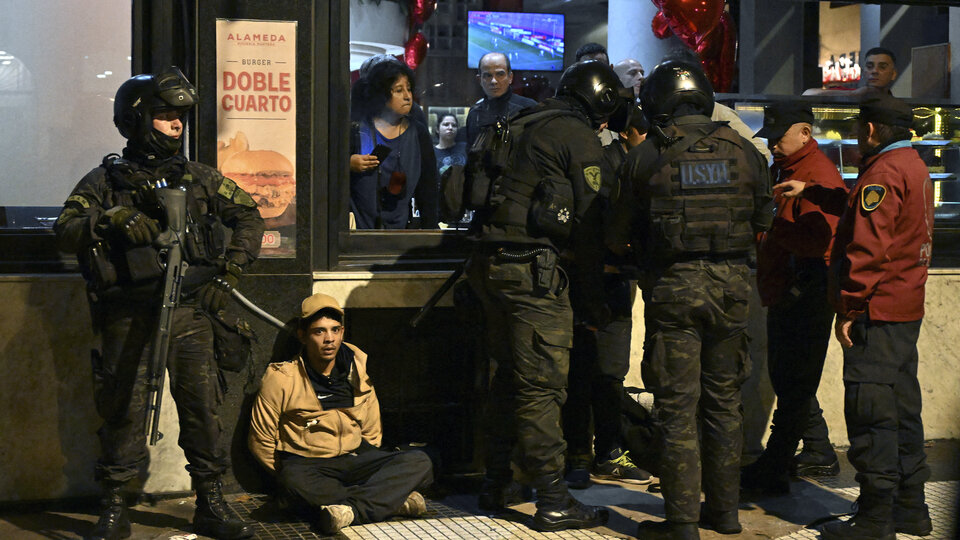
(533, 41)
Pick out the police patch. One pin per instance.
(242, 198)
(871, 196)
(704, 174)
(79, 199)
(227, 187)
(592, 176)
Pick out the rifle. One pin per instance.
(438, 294)
(174, 203)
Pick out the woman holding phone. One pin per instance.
(393, 175)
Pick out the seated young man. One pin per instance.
(316, 425)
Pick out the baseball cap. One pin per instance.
(316, 302)
(778, 118)
(883, 108)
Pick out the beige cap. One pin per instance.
(315, 303)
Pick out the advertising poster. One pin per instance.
(256, 121)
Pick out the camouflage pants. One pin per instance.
(121, 393)
(529, 335)
(695, 359)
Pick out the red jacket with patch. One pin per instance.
(885, 240)
(802, 229)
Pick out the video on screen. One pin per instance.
(532, 41)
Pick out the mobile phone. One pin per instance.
(381, 151)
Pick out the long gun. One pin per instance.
(174, 203)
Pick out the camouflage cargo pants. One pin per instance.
(529, 334)
(695, 359)
(121, 393)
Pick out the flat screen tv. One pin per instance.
(533, 41)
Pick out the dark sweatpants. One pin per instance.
(374, 482)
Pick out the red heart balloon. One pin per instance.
(415, 50)
(421, 10)
(718, 49)
(660, 25)
(690, 19)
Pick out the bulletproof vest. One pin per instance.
(701, 200)
(520, 197)
(204, 239)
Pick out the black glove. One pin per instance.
(213, 296)
(135, 226)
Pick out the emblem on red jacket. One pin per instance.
(871, 196)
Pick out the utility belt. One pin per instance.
(716, 258)
(544, 262)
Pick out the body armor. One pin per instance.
(701, 201)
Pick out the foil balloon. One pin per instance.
(421, 10)
(690, 19)
(718, 49)
(415, 50)
(660, 25)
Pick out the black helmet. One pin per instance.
(672, 84)
(595, 86)
(141, 97)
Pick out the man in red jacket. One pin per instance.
(792, 278)
(880, 259)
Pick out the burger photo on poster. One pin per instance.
(268, 176)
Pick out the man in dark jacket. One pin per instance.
(695, 194)
(111, 221)
(880, 259)
(792, 279)
(495, 78)
(544, 204)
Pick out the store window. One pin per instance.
(61, 62)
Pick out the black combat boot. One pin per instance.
(722, 521)
(667, 530)
(497, 494)
(873, 521)
(557, 510)
(765, 477)
(911, 515)
(212, 517)
(114, 522)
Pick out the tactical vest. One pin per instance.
(702, 200)
(521, 198)
(204, 241)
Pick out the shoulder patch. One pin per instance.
(871, 196)
(243, 198)
(227, 187)
(79, 199)
(591, 175)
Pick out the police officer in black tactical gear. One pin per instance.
(695, 194)
(111, 221)
(541, 207)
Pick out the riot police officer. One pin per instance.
(695, 194)
(541, 206)
(110, 221)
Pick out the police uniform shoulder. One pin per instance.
(479, 102)
(202, 169)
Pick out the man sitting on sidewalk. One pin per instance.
(316, 425)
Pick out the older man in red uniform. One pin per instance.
(792, 279)
(881, 254)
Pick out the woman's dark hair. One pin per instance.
(440, 118)
(371, 93)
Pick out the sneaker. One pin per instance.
(414, 506)
(808, 463)
(578, 472)
(334, 517)
(619, 467)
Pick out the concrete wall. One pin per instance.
(48, 422)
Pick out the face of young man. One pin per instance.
(495, 78)
(879, 71)
(793, 140)
(322, 339)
